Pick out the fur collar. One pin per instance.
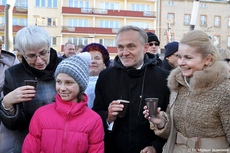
(201, 80)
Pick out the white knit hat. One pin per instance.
(76, 66)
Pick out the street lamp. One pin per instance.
(194, 14)
(8, 25)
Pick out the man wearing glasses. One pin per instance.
(154, 44)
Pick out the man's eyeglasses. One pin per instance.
(33, 57)
(156, 44)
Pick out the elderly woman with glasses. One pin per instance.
(39, 62)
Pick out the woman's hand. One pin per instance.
(158, 120)
(20, 94)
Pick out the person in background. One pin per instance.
(69, 50)
(198, 115)
(79, 48)
(39, 63)
(7, 138)
(224, 55)
(67, 125)
(133, 77)
(153, 48)
(170, 57)
(100, 61)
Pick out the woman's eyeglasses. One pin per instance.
(156, 44)
(33, 57)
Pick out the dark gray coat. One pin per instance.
(132, 133)
(45, 93)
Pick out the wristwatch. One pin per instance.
(7, 109)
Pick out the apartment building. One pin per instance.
(213, 17)
(87, 21)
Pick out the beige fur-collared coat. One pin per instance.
(201, 109)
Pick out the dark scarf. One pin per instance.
(48, 73)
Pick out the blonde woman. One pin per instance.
(198, 114)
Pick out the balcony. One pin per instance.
(105, 12)
(16, 9)
(16, 28)
(92, 30)
(21, 10)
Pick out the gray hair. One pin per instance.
(32, 38)
(143, 35)
(203, 44)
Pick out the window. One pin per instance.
(40, 21)
(140, 7)
(217, 20)
(79, 3)
(171, 17)
(52, 3)
(110, 6)
(21, 3)
(170, 3)
(107, 42)
(51, 21)
(78, 41)
(78, 23)
(187, 18)
(216, 40)
(228, 42)
(109, 24)
(40, 3)
(53, 41)
(2, 20)
(229, 21)
(203, 5)
(203, 20)
(23, 22)
(15, 21)
(143, 25)
(4, 2)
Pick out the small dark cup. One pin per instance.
(152, 104)
(123, 112)
(31, 83)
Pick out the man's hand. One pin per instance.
(148, 149)
(113, 110)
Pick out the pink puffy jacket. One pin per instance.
(65, 127)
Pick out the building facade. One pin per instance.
(213, 17)
(86, 21)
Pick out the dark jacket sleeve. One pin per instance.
(17, 120)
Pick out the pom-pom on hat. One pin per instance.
(152, 37)
(171, 48)
(76, 66)
(100, 48)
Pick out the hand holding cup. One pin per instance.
(123, 112)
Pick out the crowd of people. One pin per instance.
(75, 105)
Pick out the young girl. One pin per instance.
(68, 125)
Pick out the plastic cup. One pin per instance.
(31, 83)
(123, 112)
(152, 104)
